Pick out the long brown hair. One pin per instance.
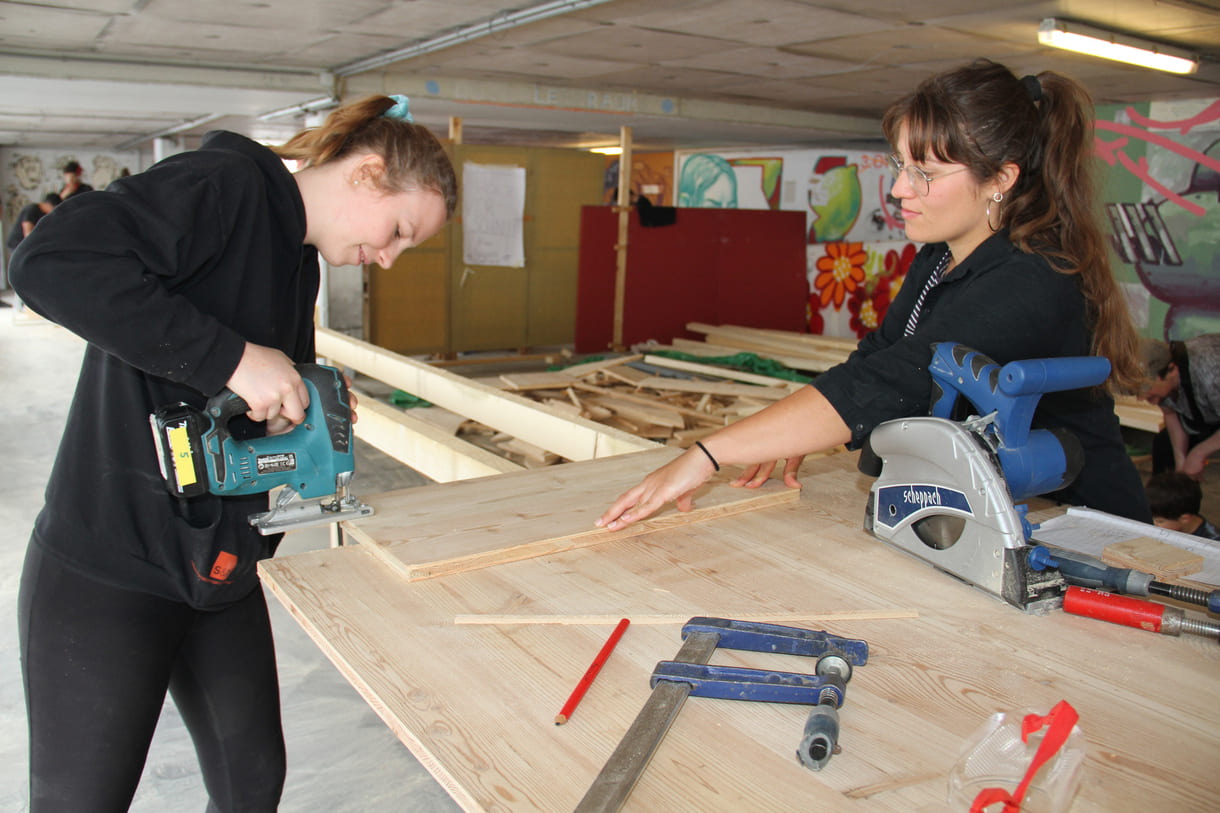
(414, 158)
(982, 116)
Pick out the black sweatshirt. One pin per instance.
(1010, 306)
(167, 274)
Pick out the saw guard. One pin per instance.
(935, 472)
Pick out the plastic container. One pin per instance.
(996, 757)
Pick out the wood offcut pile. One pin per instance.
(653, 397)
(676, 402)
(666, 400)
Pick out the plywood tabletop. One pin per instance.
(475, 702)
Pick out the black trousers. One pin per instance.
(97, 662)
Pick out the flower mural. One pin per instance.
(869, 303)
(839, 272)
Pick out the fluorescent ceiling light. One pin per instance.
(607, 150)
(1085, 39)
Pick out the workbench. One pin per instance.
(467, 637)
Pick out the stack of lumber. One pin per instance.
(800, 351)
(653, 397)
(817, 354)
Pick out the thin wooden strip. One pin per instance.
(581, 370)
(721, 388)
(720, 372)
(611, 619)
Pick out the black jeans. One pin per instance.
(97, 661)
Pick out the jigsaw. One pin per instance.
(947, 491)
(313, 462)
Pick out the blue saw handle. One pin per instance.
(1034, 461)
(1011, 391)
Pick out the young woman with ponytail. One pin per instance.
(994, 177)
(198, 274)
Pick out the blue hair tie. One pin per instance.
(400, 110)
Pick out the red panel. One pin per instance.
(721, 266)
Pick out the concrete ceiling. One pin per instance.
(112, 74)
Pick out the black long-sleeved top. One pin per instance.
(1010, 306)
(167, 274)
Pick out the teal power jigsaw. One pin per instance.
(314, 462)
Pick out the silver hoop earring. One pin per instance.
(996, 198)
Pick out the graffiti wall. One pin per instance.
(1161, 163)
(27, 175)
(1163, 204)
(857, 254)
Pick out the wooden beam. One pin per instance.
(455, 129)
(624, 213)
(424, 446)
(573, 438)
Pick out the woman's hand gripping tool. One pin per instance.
(314, 461)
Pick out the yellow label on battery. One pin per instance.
(180, 448)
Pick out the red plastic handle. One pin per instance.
(1145, 615)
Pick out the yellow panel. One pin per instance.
(408, 304)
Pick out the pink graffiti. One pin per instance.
(1112, 151)
(1140, 170)
(1206, 116)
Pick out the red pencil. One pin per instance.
(594, 668)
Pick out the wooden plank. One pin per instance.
(709, 349)
(800, 343)
(582, 370)
(1166, 562)
(713, 388)
(573, 438)
(425, 447)
(722, 372)
(620, 247)
(737, 337)
(636, 412)
(1138, 414)
(693, 414)
(518, 517)
(535, 381)
(476, 702)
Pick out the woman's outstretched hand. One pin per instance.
(676, 481)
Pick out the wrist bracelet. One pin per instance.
(703, 449)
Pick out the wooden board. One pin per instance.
(475, 702)
(521, 517)
(1166, 562)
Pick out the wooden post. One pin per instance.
(624, 213)
(455, 129)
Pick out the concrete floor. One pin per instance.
(341, 757)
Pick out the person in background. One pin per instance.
(1176, 500)
(994, 176)
(73, 185)
(30, 215)
(1184, 381)
(198, 274)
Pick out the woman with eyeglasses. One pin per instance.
(993, 174)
